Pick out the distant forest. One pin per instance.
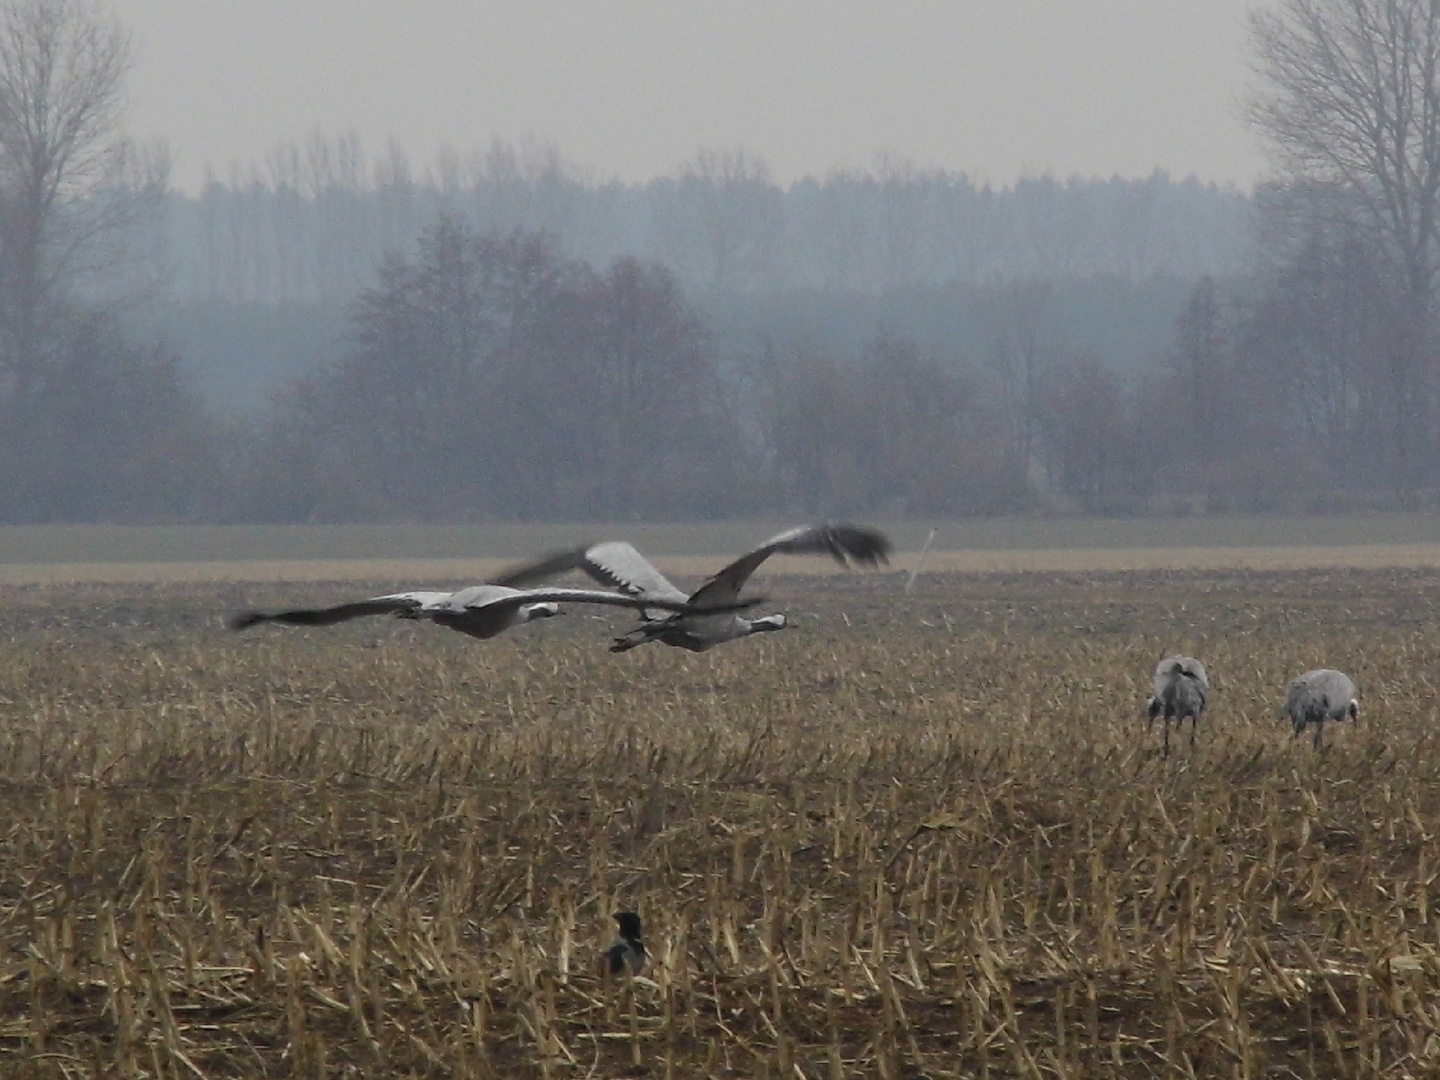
(254, 274)
(312, 222)
(328, 338)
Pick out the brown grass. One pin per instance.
(914, 836)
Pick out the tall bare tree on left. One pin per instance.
(65, 173)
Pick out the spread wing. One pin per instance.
(619, 564)
(614, 563)
(489, 596)
(844, 542)
(395, 604)
(541, 569)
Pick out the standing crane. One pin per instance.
(1181, 689)
(1320, 695)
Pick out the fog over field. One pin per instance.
(1077, 361)
(776, 261)
(998, 91)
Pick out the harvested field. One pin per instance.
(917, 835)
(59, 554)
(401, 573)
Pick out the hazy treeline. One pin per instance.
(239, 355)
(505, 337)
(489, 375)
(310, 223)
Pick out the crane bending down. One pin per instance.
(617, 563)
(482, 611)
(1181, 689)
(1320, 695)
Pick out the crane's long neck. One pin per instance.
(769, 622)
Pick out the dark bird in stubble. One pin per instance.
(627, 950)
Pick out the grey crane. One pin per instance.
(1181, 689)
(617, 563)
(482, 611)
(1320, 695)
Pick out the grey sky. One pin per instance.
(633, 88)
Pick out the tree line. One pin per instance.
(309, 223)
(493, 373)
(488, 376)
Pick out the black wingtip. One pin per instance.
(544, 568)
(860, 545)
(243, 620)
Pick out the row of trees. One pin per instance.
(310, 223)
(493, 374)
(492, 377)
(89, 424)
(487, 376)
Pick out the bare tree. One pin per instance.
(726, 209)
(1097, 450)
(1020, 360)
(62, 65)
(1351, 106)
(1199, 362)
(1352, 101)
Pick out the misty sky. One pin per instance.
(633, 88)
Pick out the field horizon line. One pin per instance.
(950, 561)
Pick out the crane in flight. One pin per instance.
(618, 564)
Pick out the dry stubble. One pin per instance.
(923, 835)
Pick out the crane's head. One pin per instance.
(629, 925)
(1353, 712)
(769, 622)
(546, 610)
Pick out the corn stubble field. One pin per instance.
(915, 836)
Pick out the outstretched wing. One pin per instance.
(614, 599)
(844, 542)
(619, 564)
(614, 563)
(395, 604)
(542, 569)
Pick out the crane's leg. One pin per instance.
(1167, 737)
(1319, 734)
(1193, 719)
